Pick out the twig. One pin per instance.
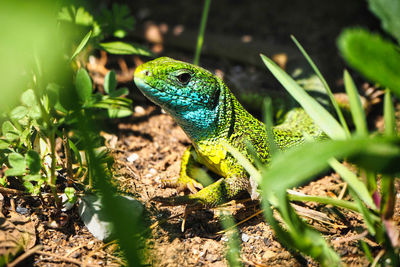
(341, 195)
(74, 249)
(66, 259)
(25, 255)
(377, 258)
(351, 238)
(239, 223)
(10, 191)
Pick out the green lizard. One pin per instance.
(210, 115)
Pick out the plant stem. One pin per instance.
(200, 38)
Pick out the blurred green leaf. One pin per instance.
(32, 177)
(28, 98)
(29, 187)
(4, 144)
(32, 159)
(389, 13)
(9, 131)
(374, 57)
(311, 158)
(80, 17)
(356, 107)
(120, 92)
(117, 20)
(82, 44)
(83, 85)
(17, 162)
(18, 112)
(389, 115)
(320, 116)
(325, 84)
(110, 82)
(354, 183)
(118, 113)
(123, 48)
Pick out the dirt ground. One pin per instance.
(147, 148)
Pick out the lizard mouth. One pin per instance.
(140, 75)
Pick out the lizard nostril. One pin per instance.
(147, 73)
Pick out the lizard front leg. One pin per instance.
(184, 181)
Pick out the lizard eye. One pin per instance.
(184, 78)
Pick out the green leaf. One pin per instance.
(118, 113)
(32, 177)
(9, 131)
(76, 151)
(70, 193)
(320, 115)
(4, 144)
(356, 107)
(120, 92)
(82, 44)
(389, 115)
(110, 82)
(28, 98)
(17, 163)
(117, 20)
(311, 158)
(83, 85)
(374, 57)
(14, 172)
(122, 48)
(18, 112)
(32, 159)
(326, 86)
(354, 183)
(29, 187)
(389, 13)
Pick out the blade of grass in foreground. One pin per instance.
(327, 88)
(356, 108)
(389, 116)
(320, 115)
(354, 183)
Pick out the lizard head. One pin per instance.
(189, 93)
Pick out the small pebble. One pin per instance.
(133, 157)
(22, 210)
(245, 237)
(139, 110)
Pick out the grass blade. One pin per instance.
(200, 37)
(356, 108)
(354, 183)
(327, 88)
(320, 116)
(82, 44)
(389, 116)
(273, 148)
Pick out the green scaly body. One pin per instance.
(210, 115)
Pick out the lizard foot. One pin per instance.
(183, 183)
(210, 196)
